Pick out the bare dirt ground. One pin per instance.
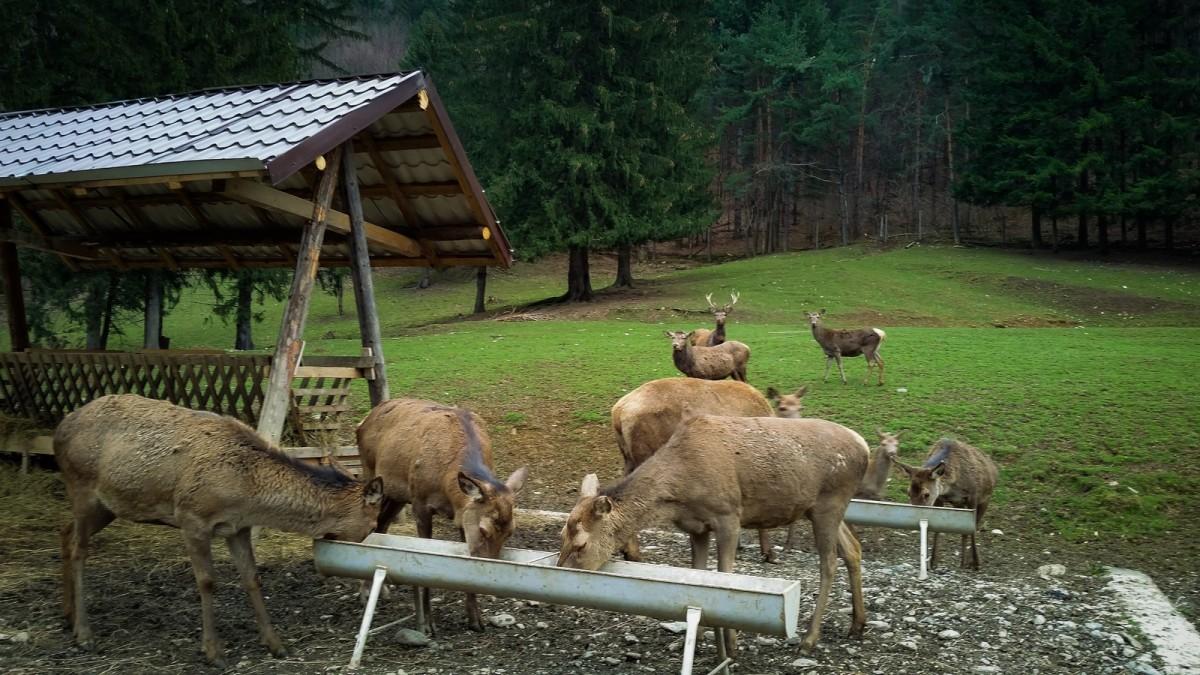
(145, 613)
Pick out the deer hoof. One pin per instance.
(278, 651)
(771, 558)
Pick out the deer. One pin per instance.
(787, 405)
(880, 466)
(439, 459)
(150, 461)
(645, 418)
(727, 359)
(839, 343)
(719, 474)
(954, 474)
(711, 338)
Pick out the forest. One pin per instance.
(749, 127)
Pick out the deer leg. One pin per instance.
(632, 550)
(199, 548)
(242, 554)
(825, 534)
(850, 551)
(879, 362)
(421, 597)
(474, 617)
(764, 546)
(89, 518)
(728, 534)
(828, 360)
(387, 515)
(933, 553)
(790, 542)
(840, 368)
(980, 509)
(700, 550)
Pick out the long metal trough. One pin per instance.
(756, 604)
(908, 517)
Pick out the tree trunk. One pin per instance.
(1036, 228)
(579, 280)
(481, 290)
(950, 168)
(1083, 191)
(1082, 236)
(110, 300)
(1054, 233)
(624, 267)
(153, 312)
(1169, 233)
(243, 338)
(92, 317)
(1140, 221)
(1102, 231)
(339, 291)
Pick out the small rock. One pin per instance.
(1092, 625)
(985, 645)
(909, 644)
(542, 624)
(1059, 593)
(910, 619)
(21, 637)
(765, 641)
(1141, 668)
(1002, 633)
(631, 639)
(1047, 571)
(949, 634)
(987, 669)
(998, 532)
(675, 627)
(1068, 640)
(1039, 620)
(803, 663)
(411, 638)
(1131, 641)
(881, 625)
(502, 620)
(632, 656)
(1128, 652)
(611, 660)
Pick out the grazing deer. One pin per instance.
(727, 359)
(150, 461)
(954, 474)
(788, 406)
(839, 343)
(880, 467)
(711, 338)
(439, 459)
(645, 418)
(720, 474)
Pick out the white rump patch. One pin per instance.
(880, 333)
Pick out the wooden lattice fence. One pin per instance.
(46, 385)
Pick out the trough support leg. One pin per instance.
(924, 574)
(368, 615)
(689, 643)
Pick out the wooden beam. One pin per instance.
(202, 220)
(61, 246)
(136, 216)
(82, 221)
(290, 346)
(401, 199)
(144, 180)
(14, 292)
(268, 263)
(36, 224)
(277, 200)
(364, 284)
(403, 143)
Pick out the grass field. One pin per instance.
(1078, 377)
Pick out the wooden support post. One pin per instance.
(152, 332)
(364, 285)
(288, 346)
(14, 294)
(481, 290)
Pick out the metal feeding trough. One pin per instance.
(908, 517)
(738, 601)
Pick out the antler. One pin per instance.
(733, 298)
(710, 302)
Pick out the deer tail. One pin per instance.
(882, 335)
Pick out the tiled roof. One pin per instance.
(245, 127)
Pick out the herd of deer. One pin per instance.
(707, 455)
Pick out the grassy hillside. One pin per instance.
(1077, 377)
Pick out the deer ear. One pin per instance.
(939, 470)
(802, 391)
(772, 393)
(881, 432)
(470, 487)
(590, 486)
(517, 480)
(373, 493)
(602, 506)
(908, 470)
(898, 434)
(822, 312)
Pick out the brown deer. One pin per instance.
(439, 459)
(150, 461)
(839, 343)
(644, 419)
(727, 359)
(954, 474)
(711, 338)
(788, 406)
(880, 467)
(720, 474)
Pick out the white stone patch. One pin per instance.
(1175, 640)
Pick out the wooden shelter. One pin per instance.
(357, 172)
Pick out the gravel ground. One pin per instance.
(1003, 619)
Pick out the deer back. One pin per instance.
(645, 418)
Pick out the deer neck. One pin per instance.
(877, 471)
(718, 335)
(642, 500)
(284, 503)
(821, 333)
(683, 358)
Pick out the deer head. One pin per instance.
(357, 512)
(487, 519)
(890, 443)
(814, 318)
(720, 313)
(589, 537)
(925, 483)
(787, 405)
(679, 339)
